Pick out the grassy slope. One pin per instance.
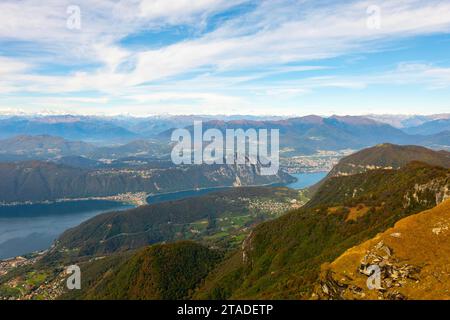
(420, 240)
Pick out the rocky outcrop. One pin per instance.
(434, 192)
(247, 248)
(384, 273)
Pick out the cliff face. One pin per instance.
(39, 181)
(413, 259)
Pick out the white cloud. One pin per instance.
(182, 11)
(257, 44)
(12, 66)
(418, 73)
(323, 33)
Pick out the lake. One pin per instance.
(28, 228)
(304, 180)
(171, 196)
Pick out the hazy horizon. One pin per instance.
(47, 113)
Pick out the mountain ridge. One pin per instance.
(68, 127)
(46, 181)
(312, 133)
(389, 156)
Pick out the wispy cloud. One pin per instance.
(214, 68)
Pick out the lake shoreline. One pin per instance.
(26, 229)
(55, 217)
(125, 198)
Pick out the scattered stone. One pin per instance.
(394, 274)
(442, 227)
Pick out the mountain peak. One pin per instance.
(389, 156)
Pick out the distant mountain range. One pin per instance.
(105, 130)
(45, 147)
(42, 147)
(430, 128)
(68, 127)
(437, 141)
(407, 121)
(126, 136)
(307, 135)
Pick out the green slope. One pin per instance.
(163, 271)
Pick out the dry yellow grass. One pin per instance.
(421, 240)
(333, 210)
(357, 212)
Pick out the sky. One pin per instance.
(284, 57)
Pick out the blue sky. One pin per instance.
(286, 57)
